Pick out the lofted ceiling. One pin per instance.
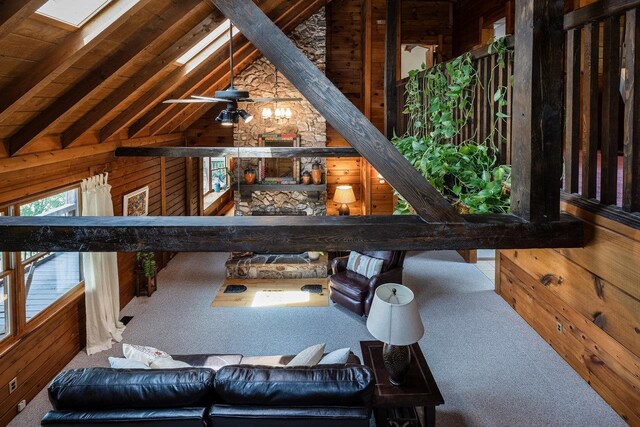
(65, 86)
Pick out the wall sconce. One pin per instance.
(381, 179)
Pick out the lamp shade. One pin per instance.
(394, 318)
(344, 194)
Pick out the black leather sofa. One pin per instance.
(228, 396)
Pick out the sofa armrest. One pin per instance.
(339, 264)
(185, 417)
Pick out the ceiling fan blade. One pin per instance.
(270, 99)
(187, 101)
(208, 98)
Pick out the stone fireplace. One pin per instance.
(306, 123)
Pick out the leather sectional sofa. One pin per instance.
(219, 391)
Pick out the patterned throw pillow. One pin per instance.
(310, 356)
(140, 353)
(364, 265)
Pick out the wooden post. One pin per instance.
(537, 109)
(631, 179)
(572, 112)
(391, 65)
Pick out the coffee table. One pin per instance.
(419, 393)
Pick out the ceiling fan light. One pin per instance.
(225, 118)
(267, 113)
(247, 117)
(288, 114)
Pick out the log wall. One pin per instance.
(49, 343)
(586, 304)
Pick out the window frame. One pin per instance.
(6, 272)
(210, 174)
(48, 19)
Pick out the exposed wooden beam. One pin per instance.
(269, 234)
(243, 152)
(35, 160)
(157, 117)
(538, 110)
(392, 46)
(168, 19)
(14, 12)
(288, 20)
(147, 75)
(67, 53)
(339, 112)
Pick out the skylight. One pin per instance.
(72, 12)
(213, 35)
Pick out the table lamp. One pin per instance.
(344, 195)
(394, 319)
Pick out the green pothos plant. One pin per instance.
(439, 105)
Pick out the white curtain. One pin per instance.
(102, 289)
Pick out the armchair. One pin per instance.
(355, 291)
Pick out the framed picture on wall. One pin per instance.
(136, 203)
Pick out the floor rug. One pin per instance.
(274, 293)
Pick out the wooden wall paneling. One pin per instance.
(538, 109)
(590, 132)
(14, 12)
(163, 184)
(148, 75)
(606, 305)
(468, 14)
(572, 112)
(610, 110)
(75, 46)
(631, 172)
(392, 57)
(608, 367)
(429, 22)
(169, 18)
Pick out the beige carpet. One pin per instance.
(273, 293)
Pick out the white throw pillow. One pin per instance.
(123, 363)
(310, 356)
(336, 357)
(164, 363)
(364, 265)
(143, 354)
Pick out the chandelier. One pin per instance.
(280, 113)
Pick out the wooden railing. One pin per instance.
(483, 124)
(602, 103)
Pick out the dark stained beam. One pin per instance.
(392, 46)
(538, 110)
(83, 90)
(596, 11)
(244, 152)
(339, 112)
(269, 234)
(14, 12)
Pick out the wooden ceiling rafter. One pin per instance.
(157, 117)
(170, 18)
(191, 113)
(167, 88)
(145, 76)
(14, 12)
(265, 152)
(74, 47)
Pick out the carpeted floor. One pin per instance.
(492, 368)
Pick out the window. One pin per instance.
(47, 276)
(72, 12)
(215, 179)
(5, 303)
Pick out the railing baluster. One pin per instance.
(631, 174)
(610, 111)
(590, 110)
(572, 113)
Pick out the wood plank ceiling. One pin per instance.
(65, 87)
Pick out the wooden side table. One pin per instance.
(145, 286)
(395, 405)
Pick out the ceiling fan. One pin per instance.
(231, 96)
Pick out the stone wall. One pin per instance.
(259, 79)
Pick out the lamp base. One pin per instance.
(397, 359)
(344, 209)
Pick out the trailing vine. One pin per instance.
(439, 105)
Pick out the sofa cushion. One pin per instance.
(351, 284)
(349, 385)
(178, 417)
(105, 388)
